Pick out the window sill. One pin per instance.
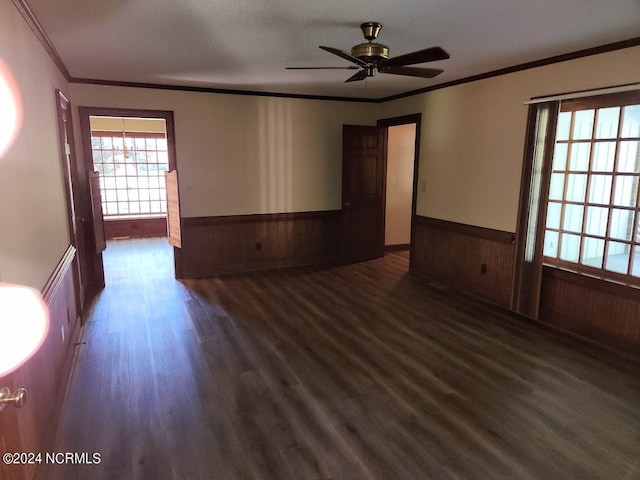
(119, 218)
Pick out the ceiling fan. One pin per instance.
(371, 56)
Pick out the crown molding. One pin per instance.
(33, 22)
(227, 91)
(587, 52)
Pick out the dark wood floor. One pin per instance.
(357, 372)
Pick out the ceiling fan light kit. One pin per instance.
(372, 56)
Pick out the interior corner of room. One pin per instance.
(530, 210)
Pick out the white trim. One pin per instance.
(584, 93)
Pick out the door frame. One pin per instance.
(69, 162)
(84, 114)
(349, 219)
(416, 119)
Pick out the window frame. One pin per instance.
(596, 103)
(161, 188)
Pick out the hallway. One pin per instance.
(356, 372)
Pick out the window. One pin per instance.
(593, 219)
(131, 167)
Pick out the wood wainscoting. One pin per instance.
(45, 376)
(135, 228)
(240, 243)
(600, 311)
(478, 261)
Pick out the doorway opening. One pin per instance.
(400, 157)
(128, 154)
(403, 143)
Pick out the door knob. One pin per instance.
(347, 204)
(19, 398)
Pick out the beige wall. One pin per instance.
(241, 154)
(33, 231)
(472, 136)
(400, 158)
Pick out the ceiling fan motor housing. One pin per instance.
(370, 52)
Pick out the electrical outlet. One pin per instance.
(423, 186)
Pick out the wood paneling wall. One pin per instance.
(240, 243)
(135, 228)
(45, 376)
(601, 311)
(455, 253)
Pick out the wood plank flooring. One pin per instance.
(356, 372)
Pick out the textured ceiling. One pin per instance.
(246, 44)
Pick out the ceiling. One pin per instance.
(246, 44)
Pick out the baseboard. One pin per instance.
(397, 248)
(623, 354)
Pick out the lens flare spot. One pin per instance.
(10, 108)
(24, 324)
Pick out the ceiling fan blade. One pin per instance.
(350, 67)
(413, 71)
(421, 56)
(345, 55)
(361, 75)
